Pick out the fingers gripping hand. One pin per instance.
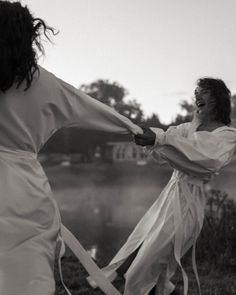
(147, 138)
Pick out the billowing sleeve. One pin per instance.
(202, 154)
(72, 107)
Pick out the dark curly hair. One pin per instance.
(20, 41)
(222, 96)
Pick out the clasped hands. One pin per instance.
(146, 138)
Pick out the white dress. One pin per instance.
(29, 217)
(172, 224)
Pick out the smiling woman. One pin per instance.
(197, 151)
(213, 103)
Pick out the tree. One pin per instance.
(131, 109)
(109, 93)
(188, 109)
(113, 94)
(154, 121)
(85, 141)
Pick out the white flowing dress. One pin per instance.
(29, 217)
(172, 224)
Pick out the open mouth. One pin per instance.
(200, 104)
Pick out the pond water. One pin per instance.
(101, 203)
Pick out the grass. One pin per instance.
(213, 281)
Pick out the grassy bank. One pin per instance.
(214, 281)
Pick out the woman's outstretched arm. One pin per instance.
(72, 107)
(202, 154)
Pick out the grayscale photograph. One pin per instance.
(117, 147)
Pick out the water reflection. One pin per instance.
(101, 204)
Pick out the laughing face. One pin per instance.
(205, 103)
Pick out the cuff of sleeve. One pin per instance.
(160, 136)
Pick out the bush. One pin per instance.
(217, 242)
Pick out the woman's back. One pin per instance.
(27, 118)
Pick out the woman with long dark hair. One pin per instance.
(197, 151)
(34, 104)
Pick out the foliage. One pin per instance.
(109, 93)
(113, 95)
(188, 109)
(217, 243)
(154, 121)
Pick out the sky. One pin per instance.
(156, 49)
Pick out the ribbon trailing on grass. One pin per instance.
(94, 271)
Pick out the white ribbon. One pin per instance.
(179, 231)
(94, 271)
(179, 238)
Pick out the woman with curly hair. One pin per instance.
(197, 151)
(34, 104)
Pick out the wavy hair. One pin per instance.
(222, 96)
(20, 42)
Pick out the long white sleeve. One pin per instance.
(75, 108)
(201, 154)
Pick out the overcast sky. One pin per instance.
(156, 49)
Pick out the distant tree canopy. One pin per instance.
(113, 94)
(188, 109)
(154, 121)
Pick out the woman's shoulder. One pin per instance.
(49, 81)
(225, 128)
(227, 132)
(46, 75)
(52, 81)
(185, 128)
